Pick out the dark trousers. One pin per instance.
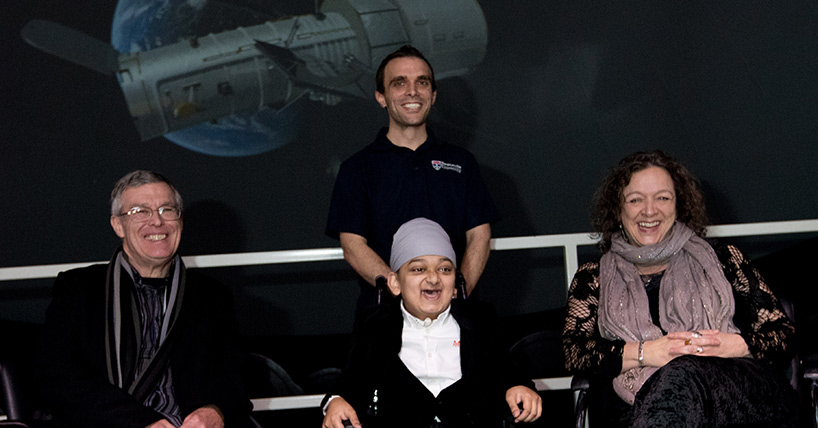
(712, 392)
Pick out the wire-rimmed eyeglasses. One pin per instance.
(143, 214)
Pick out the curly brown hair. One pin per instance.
(607, 204)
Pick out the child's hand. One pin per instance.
(531, 403)
(338, 411)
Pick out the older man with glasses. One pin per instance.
(141, 341)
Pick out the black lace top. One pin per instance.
(759, 316)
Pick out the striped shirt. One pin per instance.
(152, 294)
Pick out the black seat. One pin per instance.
(264, 378)
(784, 271)
(810, 366)
(12, 400)
(540, 355)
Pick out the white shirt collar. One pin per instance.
(428, 322)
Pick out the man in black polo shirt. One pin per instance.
(407, 173)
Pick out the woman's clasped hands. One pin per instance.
(707, 343)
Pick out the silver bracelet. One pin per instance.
(641, 357)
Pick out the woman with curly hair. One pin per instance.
(684, 331)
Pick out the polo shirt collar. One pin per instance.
(383, 143)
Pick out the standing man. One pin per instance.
(141, 341)
(407, 173)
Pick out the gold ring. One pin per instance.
(687, 342)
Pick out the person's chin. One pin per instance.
(642, 239)
(436, 310)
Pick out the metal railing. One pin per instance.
(569, 242)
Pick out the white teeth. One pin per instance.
(412, 105)
(156, 237)
(651, 224)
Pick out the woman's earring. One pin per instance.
(624, 235)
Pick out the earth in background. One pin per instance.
(142, 25)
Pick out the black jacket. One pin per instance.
(205, 358)
(477, 399)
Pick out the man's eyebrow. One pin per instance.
(424, 77)
(163, 204)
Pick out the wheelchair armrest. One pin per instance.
(580, 383)
(810, 366)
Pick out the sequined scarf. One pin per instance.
(694, 294)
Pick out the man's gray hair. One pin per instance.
(140, 178)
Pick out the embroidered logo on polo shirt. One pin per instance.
(456, 343)
(438, 165)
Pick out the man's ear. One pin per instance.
(119, 229)
(380, 98)
(392, 282)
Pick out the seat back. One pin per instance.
(540, 354)
(264, 378)
(12, 402)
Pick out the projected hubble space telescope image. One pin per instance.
(236, 92)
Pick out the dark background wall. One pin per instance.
(565, 90)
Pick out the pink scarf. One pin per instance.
(694, 295)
